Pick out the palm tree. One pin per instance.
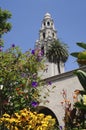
(57, 52)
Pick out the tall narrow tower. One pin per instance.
(47, 34)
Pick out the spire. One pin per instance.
(47, 15)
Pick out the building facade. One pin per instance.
(61, 90)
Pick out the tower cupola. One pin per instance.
(47, 28)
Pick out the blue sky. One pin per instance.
(69, 18)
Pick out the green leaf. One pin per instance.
(82, 92)
(75, 54)
(80, 105)
(16, 105)
(81, 44)
(22, 100)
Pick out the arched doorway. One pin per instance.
(47, 111)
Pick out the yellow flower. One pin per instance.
(6, 115)
(28, 120)
(84, 99)
(40, 128)
(15, 128)
(23, 114)
(12, 120)
(40, 116)
(17, 115)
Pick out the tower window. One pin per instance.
(48, 23)
(44, 23)
(53, 34)
(44, 35)
(42, 50)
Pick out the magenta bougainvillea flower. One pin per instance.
(60, 128)
(34, 84)
(49, 82)
(34, 104)
(13, 45)
(40, 53)
(33, 52)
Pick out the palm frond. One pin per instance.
(57, 51)
(81, 44)
(75, 54)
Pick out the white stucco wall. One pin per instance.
(67, 81)
(51, 69)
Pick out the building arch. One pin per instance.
(47, 111)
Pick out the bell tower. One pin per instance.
(47, 34)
